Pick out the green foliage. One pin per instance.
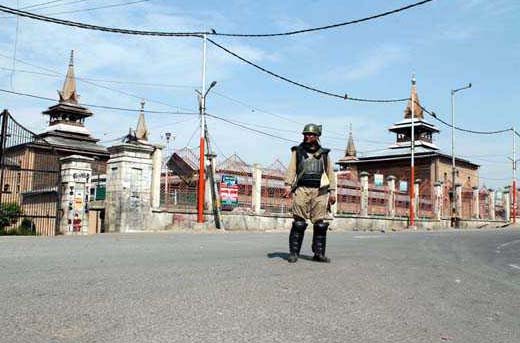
(9, 214)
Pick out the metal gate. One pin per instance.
(29, 181)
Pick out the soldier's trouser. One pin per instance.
(310, 203)
(296, 236)
(319, 238)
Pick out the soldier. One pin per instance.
(310, 177)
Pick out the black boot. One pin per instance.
(296, 239)
(319, 242)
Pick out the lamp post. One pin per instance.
(412, 154)
(168, 135)
(202, 164)
(454, 193)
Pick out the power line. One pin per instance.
(98, 106)
(147, 84)
(96, 27)
(299, 84)
(250, 128)
(100, 86)
(45, 7)
(98, 8)
(212, 32)
(434, 115)
(192, 34)
(326, 27)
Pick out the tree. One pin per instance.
(9, 214)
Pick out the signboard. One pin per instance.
(229, 191)
(378, 180)
(230, 180)
(403, 186)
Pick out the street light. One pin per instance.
(454, 196)
(167, 135)
(202, 164)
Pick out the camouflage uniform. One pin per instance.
(305, 175)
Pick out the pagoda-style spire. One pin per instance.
(351, 153)
(417, 110)
(68, 93)
(141, 133)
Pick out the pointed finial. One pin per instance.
(71, 62)
(350, 127)
(413, 79)
(142, 105)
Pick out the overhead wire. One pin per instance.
(35, 6)
(326, 27)
(212, 32)
(98, 106)
(15, 47)
(434, 115)
(101, 86)
(344, 96)
(98, 8)
(136, 83)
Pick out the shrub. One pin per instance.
(9, 214)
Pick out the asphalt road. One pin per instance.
(453, 286)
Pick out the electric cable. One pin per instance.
(299, 84)
(193, 34)
(136, 83)
(326, 27)
(98, 8)
(101, 86)
(96, 27)
(212, 32)
(434, 115)
(98, 106)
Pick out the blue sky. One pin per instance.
(445, 43)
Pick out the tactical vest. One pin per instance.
(310, 166)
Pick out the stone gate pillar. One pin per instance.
(364, 193)
(334, 208)
(76, 172)
(506, 203)
(391, 196)
(129, 181)
(256, 192)
(156, 176)
(491, 204)
(437, 204)
(475, 211)
(458, 203)
(416, 197)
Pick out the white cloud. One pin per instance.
(371, 64)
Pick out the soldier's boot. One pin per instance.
(319, 242)
(296, 239)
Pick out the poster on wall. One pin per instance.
(403, 186)
(378, 180)
(229, 192)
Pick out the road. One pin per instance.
(450, 286)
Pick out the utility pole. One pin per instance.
(167, 173)
(515, 161)
(202, 164)
(217, 215)
(412, 166)
(454, 214)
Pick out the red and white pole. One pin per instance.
(412, 164)
(514, 177)
(202, 162)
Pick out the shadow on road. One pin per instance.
(285, 256)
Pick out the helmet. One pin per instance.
(312, 128)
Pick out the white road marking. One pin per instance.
(506, 244)
(514, 266)
(368, 236)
